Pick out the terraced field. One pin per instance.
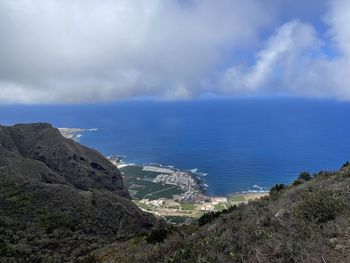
(141, 186)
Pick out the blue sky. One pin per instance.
(107, 50)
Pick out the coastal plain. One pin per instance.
(178, 196)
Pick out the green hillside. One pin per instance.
(307, 221)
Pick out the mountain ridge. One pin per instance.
(59, 199)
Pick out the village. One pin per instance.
(176, 195)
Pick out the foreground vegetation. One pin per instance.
(308, 221)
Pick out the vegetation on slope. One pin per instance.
(308, 221)
(59, 200)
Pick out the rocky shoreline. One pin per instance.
(74, 133)
(176, 195)
(191, 184)
(191, 201)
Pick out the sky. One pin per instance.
(91, 51)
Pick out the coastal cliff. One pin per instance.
(58, 199)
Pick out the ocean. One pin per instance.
(239, 144)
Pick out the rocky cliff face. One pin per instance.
(59, 199)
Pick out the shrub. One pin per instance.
(210, 216)
(297, 182)
(157, 235)
(207, 218)
(319, 206)
(275, 191)
(305, 176)
(52, 222)
(277, 188)
(346, 164)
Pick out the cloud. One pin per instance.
(104, 50)
(339, 17)
(288, 49)
(76, 51)
(295, 61)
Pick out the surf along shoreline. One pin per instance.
(179, 196)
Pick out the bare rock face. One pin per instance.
(59, 199)
(80, 166)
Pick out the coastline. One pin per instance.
(179, 196)
(117, 160)
(74, 133)
(181, 208)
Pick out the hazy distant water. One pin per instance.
(238, 143)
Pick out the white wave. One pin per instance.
(256, 191)
(125, 165)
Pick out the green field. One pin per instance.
(187, 206)
(220, 207)
(236, 198)
(176, 219)
(136, 171)
(140, 185)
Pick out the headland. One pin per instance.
(179, 196)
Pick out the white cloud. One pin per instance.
(71, 51)
(339, 20)
(294, 61)
(287, 50)
(100, 50)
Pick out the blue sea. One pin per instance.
(241, 144)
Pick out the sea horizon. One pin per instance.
(240, 145)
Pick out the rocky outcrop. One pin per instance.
(59, 199)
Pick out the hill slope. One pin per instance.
(58, 199)
(308, 221)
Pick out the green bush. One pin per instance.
(157, 235)
(207, 218)
(319, 206)
(52, 222)
(346, 164)
(297, 182)
(277, 188)
(210, 216)
(275, 191)
(305, 176)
